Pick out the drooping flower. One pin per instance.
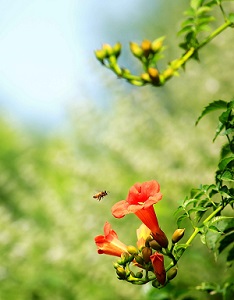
(140, 201)
(109, 243)
(142, 233)
(157, 260)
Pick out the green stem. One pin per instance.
(196, 231)
(215, 33)
(176, 64)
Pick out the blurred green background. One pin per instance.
(116, 137)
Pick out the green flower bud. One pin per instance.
(146, 253)
(137, 82)
(108, 49)
(115, 265)
(136, 49)
(155, 283)
(121, 272)
(156, 45)
(146, 77)
(139, 274)
(125, 257)
(172, 273)
(132, 249)
(139, 260)
(117, 49)
(100, 55)
(177, 235)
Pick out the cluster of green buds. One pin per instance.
(148, 53)
(140, 266)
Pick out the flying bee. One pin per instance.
(100, 195)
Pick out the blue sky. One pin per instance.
(46, 53)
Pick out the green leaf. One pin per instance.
(185, 29)
(195, 4)
(224, 162)
(231, 17)
(179, 249)
(226, 241)
(230, 255)
(222, 223)
(203, 9)
(224, 117)
(181, 218)
(212, 238)
(227, 175)
(218, 104)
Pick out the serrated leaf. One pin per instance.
(226, 241)
(219, 130)
(218, 104)
(227, 175)
(212, 238)
(189, 201)
(197, 209)
(187, 28)
(181, 218)
(224, 162)
(225, 116)
(223, 223)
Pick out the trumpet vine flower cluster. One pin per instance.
(144, 262)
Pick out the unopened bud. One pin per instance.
(146, 253)
(132, 249)
(154, 75)
(157, 44)
(139, 274)
(146, 47)
(116, 265)
(121, 272)
(136, 49)
(100, 54)
(125, 257)
(148, 239)
(146, 77)
(117, 49)
(161, 238)
(177, 235)
(155, 283)
(172, 273)
(139, 260)
(155, 245)
(137, 82)
(125, 72)
(108, 49)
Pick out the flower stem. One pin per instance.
(215, 33)
(197, 229)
